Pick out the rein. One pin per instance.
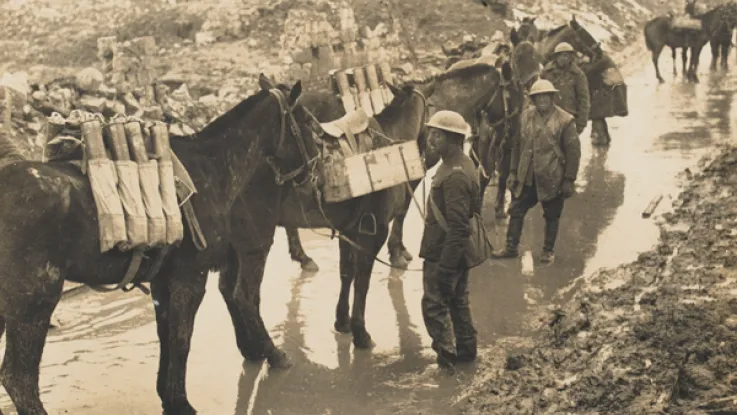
(307, 162)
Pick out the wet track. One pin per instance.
(103, 357)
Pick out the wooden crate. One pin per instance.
(365, 173)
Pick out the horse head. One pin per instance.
(296, 149)
(583, 41)
(528, 31)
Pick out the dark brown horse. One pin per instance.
(362, 225)
(50, 234)
(659, 32)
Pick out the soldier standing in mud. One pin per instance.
(455, 195)
(543, 169)
(570, 80)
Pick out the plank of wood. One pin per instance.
(652, 206)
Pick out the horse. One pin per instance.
(659, 33)
(720, 44)
(361, 223)
(571, 32)
(50, 234)
(528, 31)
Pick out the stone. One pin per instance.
(406, 68)
(89, 79)
(92, 103)
(204, 38)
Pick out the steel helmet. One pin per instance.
(542, 86)
(449, 121)
(563, 47)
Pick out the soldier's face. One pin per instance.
(543, 102)
(437, 141)
(563, 59)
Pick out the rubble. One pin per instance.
(656, 335)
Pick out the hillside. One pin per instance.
(218, 49)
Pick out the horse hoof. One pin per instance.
(406, 255)
(363, 341)
(309, 265)
(399, 262)
(661, 80)
(179, 409)
(279, 360)
(342, 327)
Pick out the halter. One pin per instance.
(287, 114)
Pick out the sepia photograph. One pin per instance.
(368, 207)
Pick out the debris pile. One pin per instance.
(659, 334)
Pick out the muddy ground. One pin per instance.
(658, 335)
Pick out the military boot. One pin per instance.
(551, 234)
(514, 233)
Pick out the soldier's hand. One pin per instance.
(567, 189)
(511, 181)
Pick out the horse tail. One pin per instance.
(648, 41)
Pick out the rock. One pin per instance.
(92, 103)
(89, 79)
(406, 68)
(204, 38)
(153, 113)
(115, 107)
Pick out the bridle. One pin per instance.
(308, 164)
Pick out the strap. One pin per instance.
(556, 147)
(130, 274)
(438, 216)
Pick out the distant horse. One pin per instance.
(659, 32)
(50, 234)
(720, 44)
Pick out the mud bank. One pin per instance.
(658, 335)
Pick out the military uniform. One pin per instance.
(445, 303)
(548, 152)
(573, 87)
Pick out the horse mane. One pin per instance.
(557, 30)
(227, 119)
(470, 70)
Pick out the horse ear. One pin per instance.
(264, 82)
(295, 93)
(394, 90)
(532, 20)
(514, 37)
(507, 71)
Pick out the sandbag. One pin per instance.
(111, 219)
(149, 176)
(174, 226)
(129, 189)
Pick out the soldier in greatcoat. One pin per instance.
(571, 82)
(544, 166)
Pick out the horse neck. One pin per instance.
(466, 96)
(405, 121)
(232, 153)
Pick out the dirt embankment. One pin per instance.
(658, 335)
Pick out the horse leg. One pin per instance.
(694, 67)
(673, 55)
(684, 58)
(297, 251)
(347, 271)
(228, 280)
(399, 256)
(177, 296)
(655, 55)
(725, 54)
(247, 295)
(715, 49)
(364, 265)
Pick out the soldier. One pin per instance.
(570, 80)
(455, 193)
(543, 169)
